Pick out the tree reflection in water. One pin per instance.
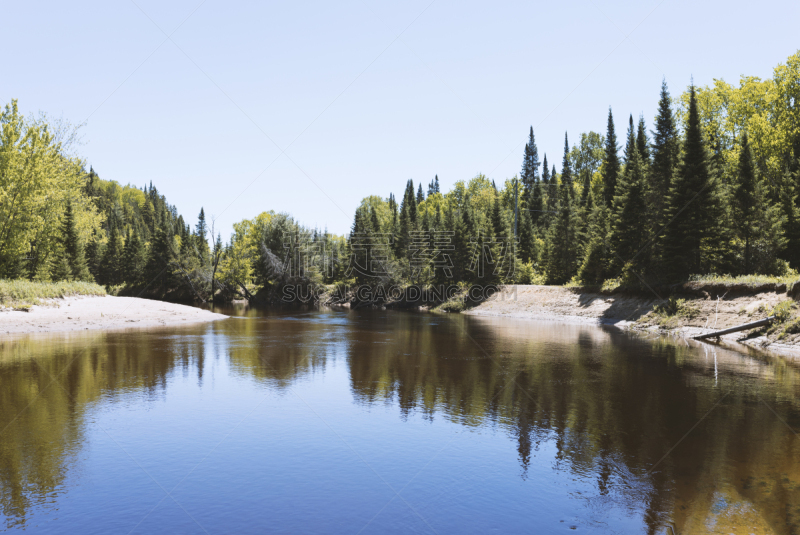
(614, 407)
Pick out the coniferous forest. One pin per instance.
(710, 184)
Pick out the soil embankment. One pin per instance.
(697, 310)
(107, 313)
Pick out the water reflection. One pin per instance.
(699, 438)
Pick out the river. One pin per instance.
(390, 422)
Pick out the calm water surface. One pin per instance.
(387, 422)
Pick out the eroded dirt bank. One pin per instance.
(82, 313)
(693, 310)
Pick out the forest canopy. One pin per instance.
(710, 185)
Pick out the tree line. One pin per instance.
(711, 188)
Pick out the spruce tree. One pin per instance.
(665, 151)
(420, 195)
(630, 145)
(642, 143)
(530, 167)
(73, 248)
(412, 203)
(552, 195)
(790, 211)
(112, 258)
(611, 165)
(527, 238)
(133, 255)
(93, 256)
(463, 246)
(594, 268)
(563, 240)
(158, 272)
(541, 218)
(201, 231)
(755, 221)
(693, 205)
(629, 211)
(566, 171)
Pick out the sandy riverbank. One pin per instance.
(106, 313)
(713, 312)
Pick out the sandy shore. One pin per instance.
(713, 313)
(82, 313)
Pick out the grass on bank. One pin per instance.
(789, 279)
(22, 294)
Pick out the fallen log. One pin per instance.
(746, 326)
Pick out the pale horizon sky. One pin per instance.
(308, 107)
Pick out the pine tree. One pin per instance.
(74, 256)
(693, 205)
(420, 195)
(611, 165)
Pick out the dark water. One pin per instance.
(386, 422)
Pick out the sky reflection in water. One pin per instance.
(387, 422)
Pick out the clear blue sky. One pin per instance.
(360, 96)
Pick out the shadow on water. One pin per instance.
(615, 408)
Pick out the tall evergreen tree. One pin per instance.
(630, 145)
(545, 171)
(627, 235)
(756, 222)
(693, 205)
(642, 143)
(530, 167)
(412, 203)
(594, 268)
(158, 272)
(611, 165)
(93, 255)
(134, 259)
(110, 266)
(665, 152)
(552, 195)
(566, 171)
(73, 248)
(527, 237)
(420, 194)
(563, 239)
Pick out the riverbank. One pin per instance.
(79, 313)
(692, 310)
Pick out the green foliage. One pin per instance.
(611, 165)
(783, 311)
(669, 313)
